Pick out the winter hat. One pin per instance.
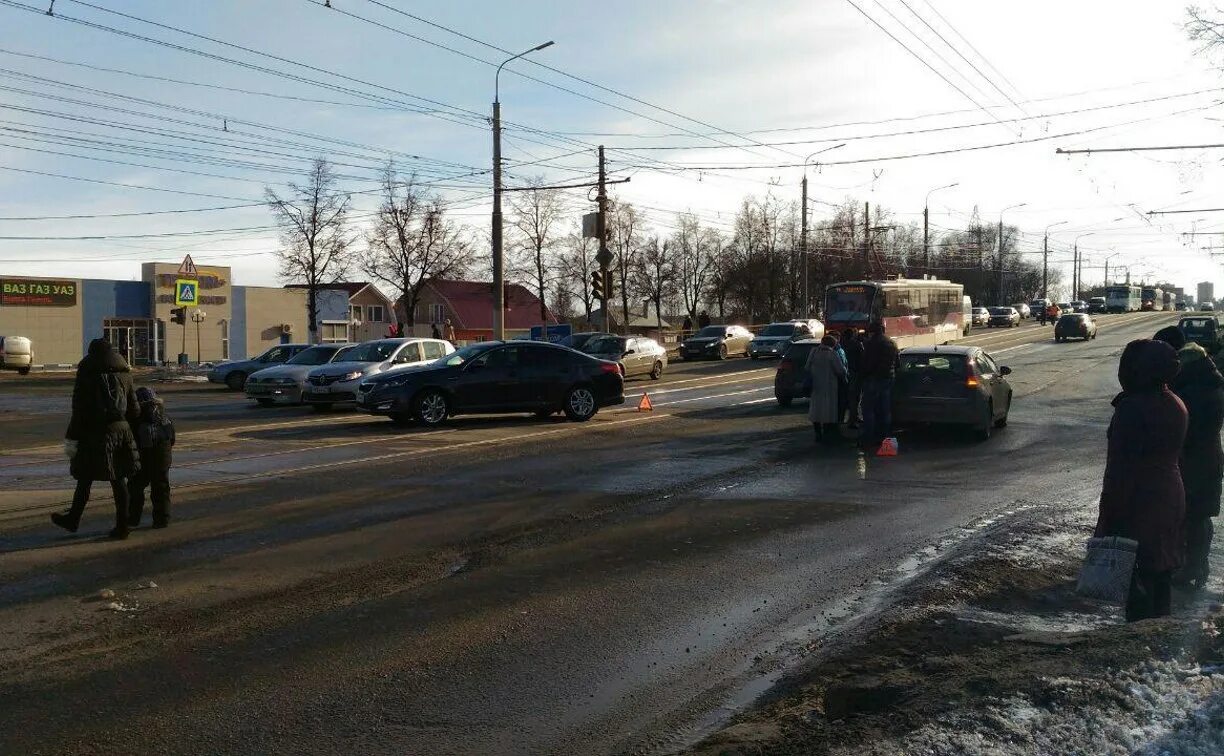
(1171, 335)
(144, 395)
(1147, 365)
(1191, 353)
(99, 348)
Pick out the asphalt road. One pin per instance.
(502, 585)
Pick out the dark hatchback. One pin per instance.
(496, 377)
(791, 380)
(951, 385)
(1077, 325)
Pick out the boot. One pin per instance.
(66, 521)
(119, 532)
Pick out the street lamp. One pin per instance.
(926, 247)
(1075, 265)
(1107, 259)
(803, 228)
(197, 317)
(1045, 260)
(499, 290)
(999, 261)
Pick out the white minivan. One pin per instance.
(16, 354)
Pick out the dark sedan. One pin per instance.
(716, 342)
(791, 380)
(1077, 325)
(951, 385)
(1003, 317)
(495, 377)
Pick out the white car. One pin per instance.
(981, 316)
(337, 383)
(16, 354)
(287, 382)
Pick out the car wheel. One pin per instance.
(657, 371)
(722, 351)
(23, 371)
(983, 432)
(431, 408)
(266, 402)
(580, 404)
(784, 400)
(754, 357)
(236, 381)
(322, 406)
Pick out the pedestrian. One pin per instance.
(879, 368)
(1142, 496)
(1201, 388)
(434, 332)
(687, 328)
(852, 345)
(154, 438)
(99, 439)
(703, 319)
(449, 330)
(825, 373)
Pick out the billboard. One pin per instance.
(37, 292)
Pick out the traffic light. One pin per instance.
(597, 288)
(179, 315)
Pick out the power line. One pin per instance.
(129, 215)
(970, 46)
(931, 49)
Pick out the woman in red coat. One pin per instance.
(1142, 498)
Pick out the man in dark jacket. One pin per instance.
(1142, 497)
(103, 405)
(1201, 388)
(879, 367)
(852, 345)
(154, 437)
(703, 319)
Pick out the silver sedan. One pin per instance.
(285, 383)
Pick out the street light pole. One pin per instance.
(1045, 260)
(803, 231)
(499, 266)
(999, 261)
(1075, 266)
(1107, 259)
(926, 235)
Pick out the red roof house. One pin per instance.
(469, 306)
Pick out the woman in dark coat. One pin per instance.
(1142, 497)
(103, 405)
(1201, 388)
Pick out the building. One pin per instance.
(643, 320)
(352, 311)
(1206, 292)
(62, 315)
(469, 307)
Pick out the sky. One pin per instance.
(112, 107)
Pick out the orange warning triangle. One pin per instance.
(645, 405)
(888, 448)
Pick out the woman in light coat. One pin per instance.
(826, 373)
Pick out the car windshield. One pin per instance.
(980, 310)
(605, 345)
(778, 329)
(372, 351)
(1071, 319)
(1000, 311)
(1198, 325)
(316, 355)
(933, 364)
(711, 332)
(465, 354)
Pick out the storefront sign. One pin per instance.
(25, 292)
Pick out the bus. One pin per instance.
(1122, 298)
(915, 311)
(1151, 299)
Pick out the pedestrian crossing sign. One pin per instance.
(186, 292)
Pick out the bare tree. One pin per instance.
(412, 242)
(654, 274)
(562, 300)
(626, 238)
(579, 261)
(538, 213)
(693, 260)
(315, 245)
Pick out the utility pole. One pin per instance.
(604, 257)
(803, 246)
(1075, 271)
(499, 264)
(1045, 266)
(866, 240)
(926, 240)
(999, 265)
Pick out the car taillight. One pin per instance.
(610, 367)
(971, 382)
(786, 365)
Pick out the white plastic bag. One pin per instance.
(70, 448)
(1108, 566)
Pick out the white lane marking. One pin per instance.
(714, 396)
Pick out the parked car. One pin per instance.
(1202, 330)
(981, 316)
(1077, 325)
(16, 353)
(774, 338)
(1097, 306)
(494, 377)
(337, 383)
(791, 381)
(716, 342)
(1003, 317)
(636, 355)
(287, 382)
(951, 385)
(577, 340)
(234, 374)
(1024, 310)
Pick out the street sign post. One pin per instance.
(186, 292)
(555, 332)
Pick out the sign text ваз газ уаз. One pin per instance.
(31, 292)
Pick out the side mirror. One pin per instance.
(631, 351)
(1005, 370)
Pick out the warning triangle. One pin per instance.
(645, 405)
(188, 268)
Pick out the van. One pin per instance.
(966, 314)
(16, 354)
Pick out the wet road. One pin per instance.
(500, 585)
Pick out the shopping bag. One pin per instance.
(1107, 569)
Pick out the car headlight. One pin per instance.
(284, 381)
(351, 376)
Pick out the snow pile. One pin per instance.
(1155, 709)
